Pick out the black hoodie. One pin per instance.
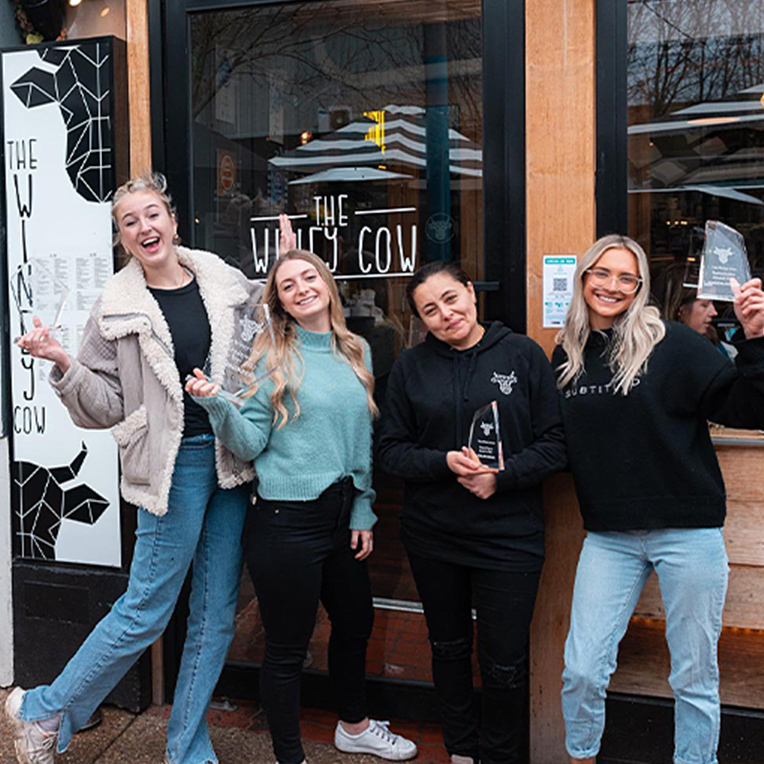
(432, 394)
(645, 460)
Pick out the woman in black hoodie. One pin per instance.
(474, 535)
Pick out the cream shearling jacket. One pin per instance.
(125, 375)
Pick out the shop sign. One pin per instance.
(226, 172)
(375, 251)
(58, 170)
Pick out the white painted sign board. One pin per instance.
(56, 132)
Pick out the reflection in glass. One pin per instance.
(696, 132)
(695, 84)
(363, 122)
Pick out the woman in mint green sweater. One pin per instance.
(308, 428)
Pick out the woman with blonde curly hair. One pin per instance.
(636, 396)
(308, 427)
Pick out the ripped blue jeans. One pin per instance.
(202, 527)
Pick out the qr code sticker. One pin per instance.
(559, 285)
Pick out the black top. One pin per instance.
(646, 460)
(432, 395)
(186, 316)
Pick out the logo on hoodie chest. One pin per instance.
(506, 382)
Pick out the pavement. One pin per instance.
(240, 736)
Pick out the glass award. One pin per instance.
(37, 292)
(485, 437)
(252, 330)
(724, 257)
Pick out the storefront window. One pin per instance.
(696, 137)
(362, 121)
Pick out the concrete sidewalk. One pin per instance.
(239, 736)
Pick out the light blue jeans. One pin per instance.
(203, 526)
(691, 565)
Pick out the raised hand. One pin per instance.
(200, 387)
(749, 307)
(40, 343)
(287, 236)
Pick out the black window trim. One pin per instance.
(611, 186)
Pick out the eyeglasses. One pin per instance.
(626, 283)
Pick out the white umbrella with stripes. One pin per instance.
(403, 140)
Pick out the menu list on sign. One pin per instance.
(84, 277)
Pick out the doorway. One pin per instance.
(392, 134)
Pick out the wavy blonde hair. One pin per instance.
(284, 358)
(635, 332)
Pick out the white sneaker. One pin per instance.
(377, 740)
(33, 744)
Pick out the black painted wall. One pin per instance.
(55, 608)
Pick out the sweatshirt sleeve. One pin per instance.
(362, 516)
(246, 431)
(735, 396)
(547, 454)
(398, 451)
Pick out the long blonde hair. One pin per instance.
(635, 333)
(285, 359)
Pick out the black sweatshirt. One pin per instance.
(432, 394)
(646, 460)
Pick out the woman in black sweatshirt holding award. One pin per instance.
(637, 393)
(473, 532)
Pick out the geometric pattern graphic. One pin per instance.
(43, 504)
(80, 87)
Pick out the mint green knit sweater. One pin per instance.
(329, 440)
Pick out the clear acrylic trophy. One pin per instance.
(252, 325)
(37, 292)
(485, 437)
(724, 258)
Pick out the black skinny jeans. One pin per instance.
(504, 603)
(299, 552)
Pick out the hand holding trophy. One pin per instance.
(749, 307)
(39, 342)
(252, 324)
(252, 330)
(476, 465)
(39, 298)
(200, 386)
